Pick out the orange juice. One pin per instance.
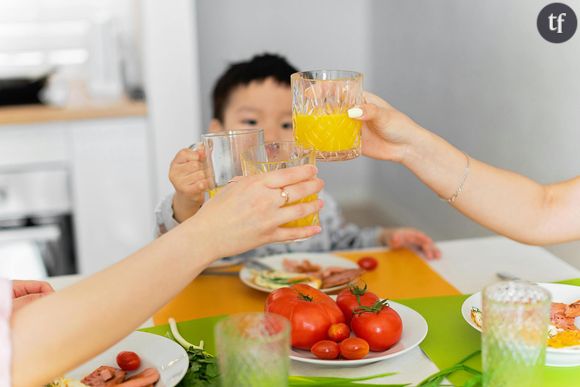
(309, 220)
(214, 191)
(327, 132)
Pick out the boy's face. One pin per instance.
(263, 104)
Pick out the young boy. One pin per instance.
(256, 94)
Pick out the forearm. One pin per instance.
(60, 331)
(503, 201)
(184, 208)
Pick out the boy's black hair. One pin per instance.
(259, 68)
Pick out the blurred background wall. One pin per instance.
(477, 73)
(128, 83)
(480, 75)
(311, 34)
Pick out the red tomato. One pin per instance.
(368, 263)
(338, 332)
(325, 349)
(310, 312)
(381, 328)
(128, 361)
(351, 298)
(354, 348)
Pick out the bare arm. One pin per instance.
(58, 332)
(503, 201)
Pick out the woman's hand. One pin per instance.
(386, 132)
(248, 212)
(397, 238)
(24, 292)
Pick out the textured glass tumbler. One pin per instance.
(515, 329)
(273, 156)
(222, 154)
(253, 350)
(320, 101)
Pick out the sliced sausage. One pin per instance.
(147, 378)
(104, 376)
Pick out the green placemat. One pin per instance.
(450, 339)
(192, 331)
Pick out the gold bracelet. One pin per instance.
(452, 199)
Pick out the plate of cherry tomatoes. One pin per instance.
(351, 329)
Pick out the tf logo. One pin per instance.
(557, 22)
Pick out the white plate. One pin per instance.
(225, 262)
(168, 357)
(414, 332)
(555, 357)
(275, 261)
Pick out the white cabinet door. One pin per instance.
(30, 146)
(112, 190)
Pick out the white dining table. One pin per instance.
(468, 265)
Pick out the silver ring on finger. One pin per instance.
(284, 196)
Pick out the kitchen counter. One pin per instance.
(28, 114)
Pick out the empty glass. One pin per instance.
(515, 329)
(253, 350)
(320, 101)
(222, 154)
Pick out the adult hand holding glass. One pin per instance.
(107, 306)
(505, 202)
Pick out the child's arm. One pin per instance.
(338, 234)
(188, 177)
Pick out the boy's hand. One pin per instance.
(188, 177)
(24, 292)
(397, 238)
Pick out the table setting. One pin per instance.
(285, 319)
(401, 276)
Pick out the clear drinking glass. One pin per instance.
(320, 101)
(515, 329)
(222, 154)
(253, 350)
(273, 156)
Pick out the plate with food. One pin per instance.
(139, 360)
(413, 333)
(564, 331)
(327, 272)
(353, 328)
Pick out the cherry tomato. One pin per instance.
(338, 332)
(325, 349)
(381, 328)
(354, 348)
(128, 361)
(368, 263)
(351, 298)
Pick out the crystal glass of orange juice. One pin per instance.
(223, 151)
(320, 101)
(273, 156)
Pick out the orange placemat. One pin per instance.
(400, 274)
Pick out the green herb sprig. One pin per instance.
(436, 379)
(203, 369)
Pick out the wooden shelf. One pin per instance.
(27, 114)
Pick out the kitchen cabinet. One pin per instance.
(109, 170)
(112, 190)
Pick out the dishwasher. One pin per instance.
(36, 224)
